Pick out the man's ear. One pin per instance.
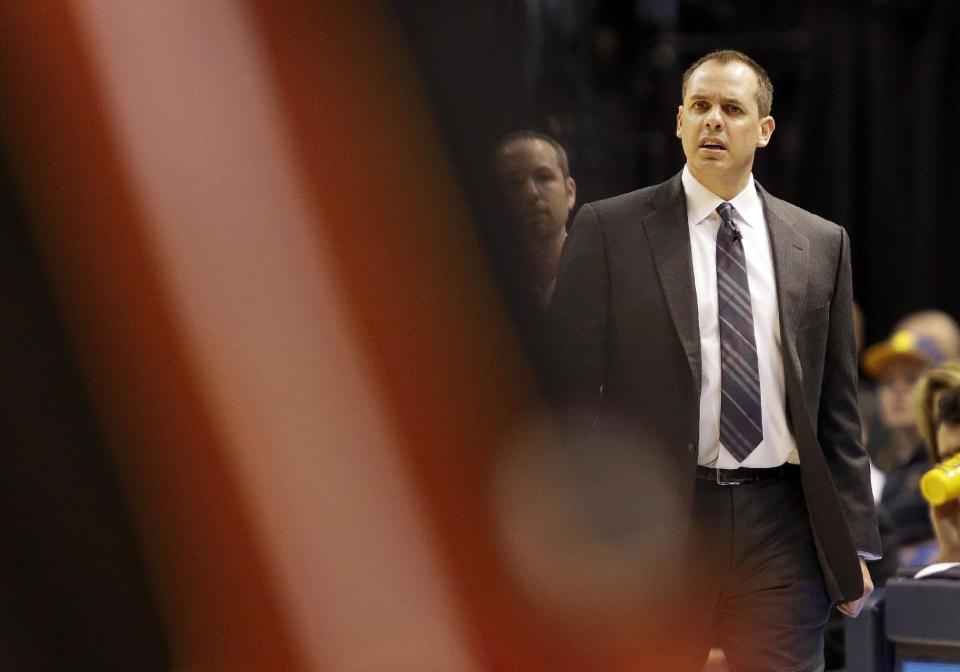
(679, 119)
(767, 124)
(571, 192)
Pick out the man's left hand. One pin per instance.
(852, 609)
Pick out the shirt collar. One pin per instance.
(701, 202)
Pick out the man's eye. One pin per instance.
(732, 109)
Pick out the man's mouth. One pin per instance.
(713, 144)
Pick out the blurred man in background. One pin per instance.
(540, 193)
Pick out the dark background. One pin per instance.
(865, 101)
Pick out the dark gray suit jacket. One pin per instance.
(626, 337)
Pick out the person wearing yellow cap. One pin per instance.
(896, 365)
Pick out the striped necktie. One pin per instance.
(741, 421)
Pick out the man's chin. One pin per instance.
(539, 228)
(713, 164)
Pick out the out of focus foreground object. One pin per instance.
(286, 328)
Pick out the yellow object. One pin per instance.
(942, 483)
(903, 341)
(901, 346)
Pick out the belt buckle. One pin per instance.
(723, 481)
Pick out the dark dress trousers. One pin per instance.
(626, 340)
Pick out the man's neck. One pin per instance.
(544, 255)
(723, 186)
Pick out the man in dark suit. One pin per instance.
(714, 323)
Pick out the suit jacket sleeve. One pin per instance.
(838, 427)
(578, 311)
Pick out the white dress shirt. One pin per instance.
(778, 445)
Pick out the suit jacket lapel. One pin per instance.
(669, 240)
(789, 250)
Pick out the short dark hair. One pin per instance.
(724, 56)
(948, 409)
(536, 135)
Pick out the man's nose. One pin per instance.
(530, 190)
(713, 118)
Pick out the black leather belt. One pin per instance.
(739, 476)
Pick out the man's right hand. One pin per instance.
(852, 609)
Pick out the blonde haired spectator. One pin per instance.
(927, 395)
(937, 401)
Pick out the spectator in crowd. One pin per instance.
(942, 333)
(927, 396)
(937, 401)
(540, 193)
(896, 365)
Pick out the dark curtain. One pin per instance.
(881, 149)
